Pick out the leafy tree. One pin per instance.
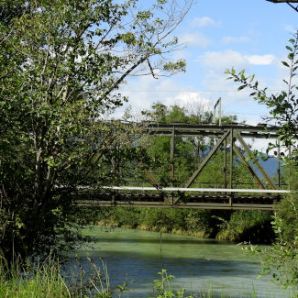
(61, 64)
(282, 260)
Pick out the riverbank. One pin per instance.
(110, 225)
(238, 226)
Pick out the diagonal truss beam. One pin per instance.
(206, 160)
(255, 161)
(249, 168)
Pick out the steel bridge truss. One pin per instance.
(231, 138)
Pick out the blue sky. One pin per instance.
(216, 35)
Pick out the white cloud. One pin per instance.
(144, 91)
(200, 22)
(194, 39)
(230, 58)
(235, 39)
(260, 59)
(290, 28)
(222, 60)
(191, 100)
(213, 65)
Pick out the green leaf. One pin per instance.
(291, 56)
(285, 63)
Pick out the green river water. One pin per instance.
(199, 266)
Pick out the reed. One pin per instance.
(44, 281)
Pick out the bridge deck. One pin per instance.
(226, 199)
(208, 206)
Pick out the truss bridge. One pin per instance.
(231, 140)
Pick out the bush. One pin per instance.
(250, 226)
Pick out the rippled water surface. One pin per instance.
(199, 266)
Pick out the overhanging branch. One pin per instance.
(290, 3)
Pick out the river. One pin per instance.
(199, 266)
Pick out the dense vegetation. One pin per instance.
(281, 261)
(61, 63)
(239, 226)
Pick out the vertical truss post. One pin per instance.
(172, 154)
(199, 151)
(225, 165)
(278, 156)
(217, 104)
(231, 164)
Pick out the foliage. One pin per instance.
(61, 64)
(46, 281)
(237, 226)
(286, 217)
(200, 223)
(162, 287)
(175, 114)
(281, 261)
(247, 226)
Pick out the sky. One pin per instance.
(217, 35)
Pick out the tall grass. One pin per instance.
(44, 281)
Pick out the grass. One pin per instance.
(44, 282)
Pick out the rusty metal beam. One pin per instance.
(206, 160)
